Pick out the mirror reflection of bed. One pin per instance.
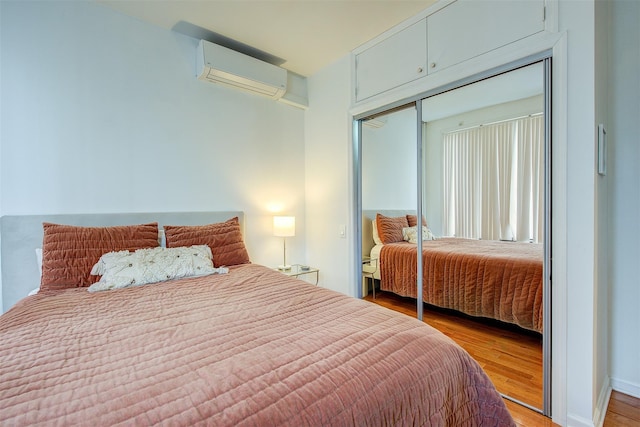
(510, 353)
(483, 200)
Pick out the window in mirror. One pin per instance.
(484, 160)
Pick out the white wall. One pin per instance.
(624, 196)
(389, 177)
(328, 184)
(103, 113)
(1, 115)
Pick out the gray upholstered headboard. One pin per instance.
(21, 235)
(367, 226)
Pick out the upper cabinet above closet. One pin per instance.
(396, 60)
(457, 31)
(468, 28)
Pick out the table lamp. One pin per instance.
(284, 226)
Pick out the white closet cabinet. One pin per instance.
(468, 28)
(394, 61)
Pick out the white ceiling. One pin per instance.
(302, 36)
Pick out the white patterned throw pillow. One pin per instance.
(123, 269)
(410, 234)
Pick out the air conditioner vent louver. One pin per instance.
(218, 64)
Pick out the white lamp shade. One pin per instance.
(284, 226)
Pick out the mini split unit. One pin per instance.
(218, 64)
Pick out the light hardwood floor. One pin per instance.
(623, 411)
(510, 357)
(514, 364)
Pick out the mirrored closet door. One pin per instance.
(389, 183)
(481, 188)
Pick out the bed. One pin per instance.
(490, 279)
(240, 345)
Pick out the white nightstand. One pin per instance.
(369, 269)
(297, 270)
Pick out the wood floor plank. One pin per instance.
(616, 420)
(616, 396)
(525, 417)
(624, 407)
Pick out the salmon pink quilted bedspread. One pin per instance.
(498, 280)
(249, 348)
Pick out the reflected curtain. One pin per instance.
(530, 203)
(493, 181)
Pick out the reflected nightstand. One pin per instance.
(369, 269)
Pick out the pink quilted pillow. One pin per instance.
(69, 252)
(224, 239)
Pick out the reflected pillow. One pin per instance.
(410, 234)
(413, 220)
(390, 228)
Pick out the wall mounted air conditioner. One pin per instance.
(218, 64)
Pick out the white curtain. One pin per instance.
(493, 181)
(530, 189)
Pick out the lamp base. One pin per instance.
(284, 267)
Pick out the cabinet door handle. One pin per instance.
(432, 65)
(420, 70)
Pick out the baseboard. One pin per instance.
(626, 387)
(602, 404)
(575, 421)
(599, 412)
